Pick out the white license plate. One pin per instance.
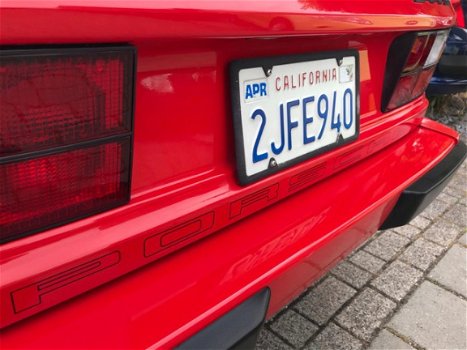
(287, 109)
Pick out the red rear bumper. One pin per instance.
(301, 238)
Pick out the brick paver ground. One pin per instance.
(405, 288)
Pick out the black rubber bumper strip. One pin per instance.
(238, 329)
(420, 194)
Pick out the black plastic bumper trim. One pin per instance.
(420, 194)
(237, 329)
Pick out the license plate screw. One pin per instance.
(340, 61)
(269, 72)
(339, 138)
(272, 163)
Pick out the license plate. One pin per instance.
(287, 109)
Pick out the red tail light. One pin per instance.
(419, 51)
(408, 75)
(65, 135)
(459, 8)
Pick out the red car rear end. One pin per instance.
(147, 202)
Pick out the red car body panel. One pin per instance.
(282, 232)
(26, 22)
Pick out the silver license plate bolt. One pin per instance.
(272, 163)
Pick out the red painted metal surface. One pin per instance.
(282, 232)
(25, 22)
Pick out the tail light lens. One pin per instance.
(411, 62)
(437, 49)
(460, 7)
(65, 135)
(418, 52)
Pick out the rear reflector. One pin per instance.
(403, 91)
(423, 80)
(411, 61)
(44, 191)
(65, 135)
(410, 87)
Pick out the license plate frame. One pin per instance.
(268, 63)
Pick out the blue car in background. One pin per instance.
(451, 73)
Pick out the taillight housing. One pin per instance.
(460, 7)
(65, 135)
(412, 59)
